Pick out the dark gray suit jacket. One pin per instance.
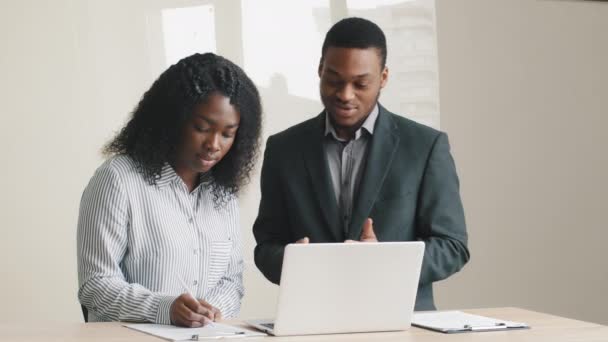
(409, 188)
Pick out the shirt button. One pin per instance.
(191, 220)
(196, 251)
(195, 282)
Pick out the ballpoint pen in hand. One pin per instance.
(183, 283)
(187, 288)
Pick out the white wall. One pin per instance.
(69, 77)
(521, 86)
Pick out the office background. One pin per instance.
(519, 85)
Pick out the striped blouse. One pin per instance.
(135, 241)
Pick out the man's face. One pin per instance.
(351, 80)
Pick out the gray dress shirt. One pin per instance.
(346, 160)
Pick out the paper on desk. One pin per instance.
(173, 333)
(454, 321)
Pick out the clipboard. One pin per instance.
(450, 322)
(209, 332)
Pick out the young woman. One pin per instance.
(158, 229)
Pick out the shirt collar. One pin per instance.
(368, 125)
(168, 176)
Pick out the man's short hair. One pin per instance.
(356, 33)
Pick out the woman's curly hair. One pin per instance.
(153, 133)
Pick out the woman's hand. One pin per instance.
(191, 312)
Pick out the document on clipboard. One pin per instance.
(450, 322)
(209, 332)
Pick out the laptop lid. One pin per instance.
(348, 287)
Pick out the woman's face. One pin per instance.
(208, 134)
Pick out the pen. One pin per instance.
(496, 326)
(183, 283)
(187, 288)
(196, 337)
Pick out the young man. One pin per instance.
(360, 172)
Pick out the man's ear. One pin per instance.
(384, 77)
(320, 67)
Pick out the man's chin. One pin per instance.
(342, 121)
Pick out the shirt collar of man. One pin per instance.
(368, 125)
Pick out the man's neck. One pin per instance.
(348, 133)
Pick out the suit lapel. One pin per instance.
(381, 152)
(318, 169)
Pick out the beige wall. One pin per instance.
(68, 77)
(521, 85)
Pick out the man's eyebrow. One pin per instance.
(333, 72)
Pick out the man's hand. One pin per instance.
(303, 240)
(191, 312)
(367, 234)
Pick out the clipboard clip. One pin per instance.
(496, 326)
(195, 337)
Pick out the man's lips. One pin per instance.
(344, 110)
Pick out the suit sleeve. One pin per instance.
(440, 221)
(270, 227)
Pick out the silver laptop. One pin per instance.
(329, 288)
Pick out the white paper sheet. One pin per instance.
(214, 331)
(458, 321)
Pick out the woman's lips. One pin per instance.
(207, 161)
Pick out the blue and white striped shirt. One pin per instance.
(135, 240)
